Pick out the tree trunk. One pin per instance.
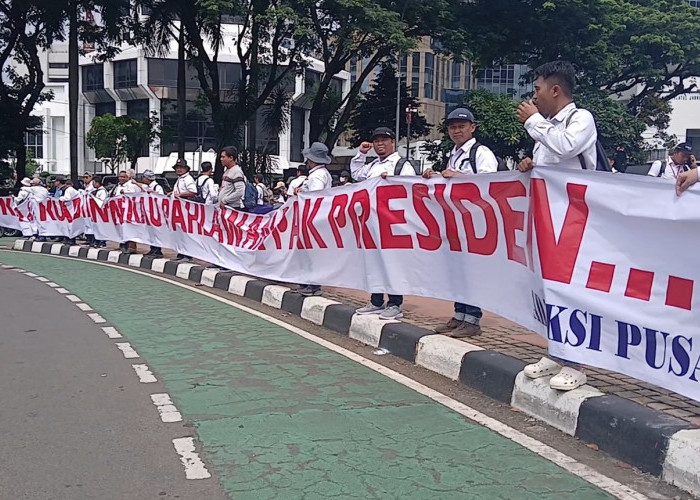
(181, 94)
(21, 158)
(73, 70)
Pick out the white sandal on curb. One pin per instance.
(542, 368)
(567, 379)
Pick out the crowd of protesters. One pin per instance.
(565, 136)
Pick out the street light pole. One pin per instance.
(398, 95)
(410, 110)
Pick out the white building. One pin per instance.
(138, 85)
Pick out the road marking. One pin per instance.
(31, 275)
(42, 279)
(84, 307)
(62, 290)
(97, 318)
(111, 332)
(127, 350)
(166, 408)
(194, 467)
(52, 284)
(185, 446)
(5, 266)
(144, 374)
(73, 298)
(19, 270)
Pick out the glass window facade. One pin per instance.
(138, 110)
(456, 75)
(125, 74)
(198, 127)
(93, 77)
(103, 108)
(34, 141)
(415, 74)
(429, 75)
(503, 80)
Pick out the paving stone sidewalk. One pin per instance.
(509, 338)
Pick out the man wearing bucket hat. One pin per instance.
(319, 178)
(384, 144)
(185, 187)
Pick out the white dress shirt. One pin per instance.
(295, 183)
(361, 170)
(319, 179)
(89, 187)
(126, 188)
(209, 189)
(486, 161)
(100, 194)
(671, 170)
(155, 187)
(185, 184)
(38, 193)
(69, 193)
(558, 145)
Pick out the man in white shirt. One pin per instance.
(566, 139)
(319, 179)
(150, 185)
(384, 144)
(87, 180)
(24, 192)
(69, 192)
(461, 126)
(298, 181)
(681, 160)
(565, 136)
(125, 185)
(259, 184)
(185, 187)
(99, 192)
(207, 190)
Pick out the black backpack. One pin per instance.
(502, 167)
(200, 190)
(601, 157)
(399, 166)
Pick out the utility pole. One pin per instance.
(410, 110)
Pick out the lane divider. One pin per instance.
(194, 467)
(97, 318)
(167, 410)
(144, 373)
(111, 332)
(127, 350)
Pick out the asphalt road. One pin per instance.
(273, 415)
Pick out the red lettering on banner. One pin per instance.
(359, 222)
(451, 231)
(154, 212)
(433, 240)
(337, 217)
(116, 208)
(77, 209)
(558, 258)
(513, 220)
(253, 233)
(387, 217)
(215, 228)
(265, 231)
(307, 224)
(294, 233)
(6, 206)
(43, 211)
(194, 216)
(177, 217)
(468, 191)
(97, 210)
(280, 226)
(233, 232)
(166, 211)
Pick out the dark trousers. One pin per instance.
(473, 311)
(156, 250)
(377, 300)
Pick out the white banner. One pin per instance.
(601, 264)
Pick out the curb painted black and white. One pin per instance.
(648, 439)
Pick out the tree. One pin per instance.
(376, 109)
(371, 31)
(121, 139)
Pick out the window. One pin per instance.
(456, 75)
(499, 79)
(695, 3)
(415, 74)
(93, 77)
(353, 70)
(103, 108)
(125, 74)
(429, 75)
(34, 141)
(138, 110)
(58, 65)
(404, 63)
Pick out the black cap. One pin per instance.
(181, 162)
(383, 132)
(684, 147)
(460, 114)
(345, 173)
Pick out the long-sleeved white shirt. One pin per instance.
(360, 170)
(558, 145)
(24, 193)
(69, 193)
(154, 187)
(100, 194)
(126, 188)
(38, 193)
(670, 169)
(486, 161)
(210, 190)
(185, 184)
(319, 179)
(295, 183)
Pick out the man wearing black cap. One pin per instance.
(681, 160)
(464, 160)
(185, 187)
(344, 178)
(384, 143)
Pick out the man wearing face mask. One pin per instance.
(384, 143)
(345, 178)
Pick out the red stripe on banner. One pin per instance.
(600, 276)
(679, 293)
(639, 284)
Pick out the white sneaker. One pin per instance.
(542, 368)
(567, 379)
(391, 312)
(370, 309)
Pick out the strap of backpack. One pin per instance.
(399, 166)
(472, 156)
(662, 168)
(581, 159)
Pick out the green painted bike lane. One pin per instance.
(279, 416)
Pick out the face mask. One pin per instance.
(343, 179)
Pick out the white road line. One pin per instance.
(186, 445)
(97, 318)
(19, 270)
(127, 350)
(42, 279)
(144, 373)
(31, 275)
(62, 290)
(52, 284)
(166, 408)
(73, 298)
(194, 467)
(111, 332)
(84, 307)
